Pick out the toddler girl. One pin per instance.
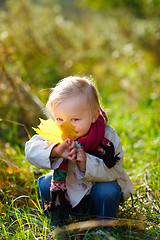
(95, 179)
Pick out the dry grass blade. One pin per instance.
(80, 226)
(20, 124)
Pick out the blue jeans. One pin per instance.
(103, 200)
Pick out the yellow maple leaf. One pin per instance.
(56, 133)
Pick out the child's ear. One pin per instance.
(96, 115)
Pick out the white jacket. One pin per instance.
(78, 183)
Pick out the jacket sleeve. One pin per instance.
(96, 170)
(38, 151)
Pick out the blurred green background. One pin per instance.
(117, 42)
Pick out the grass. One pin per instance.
(23, 219)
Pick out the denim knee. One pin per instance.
(44, 183)
(114, 192)
(106, 198)
(105, 190)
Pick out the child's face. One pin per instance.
(77, 112)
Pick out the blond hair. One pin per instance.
(73, 86)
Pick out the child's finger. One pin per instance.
(73, 145)
(73, 151)
(68, 141)
(80, 151)
(73, 157)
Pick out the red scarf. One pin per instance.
(95, 135)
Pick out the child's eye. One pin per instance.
(75, 119)
(59, 119)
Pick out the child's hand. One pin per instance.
(65, 150)
(81, 158)
(73, 151)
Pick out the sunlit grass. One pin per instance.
(22, 218)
